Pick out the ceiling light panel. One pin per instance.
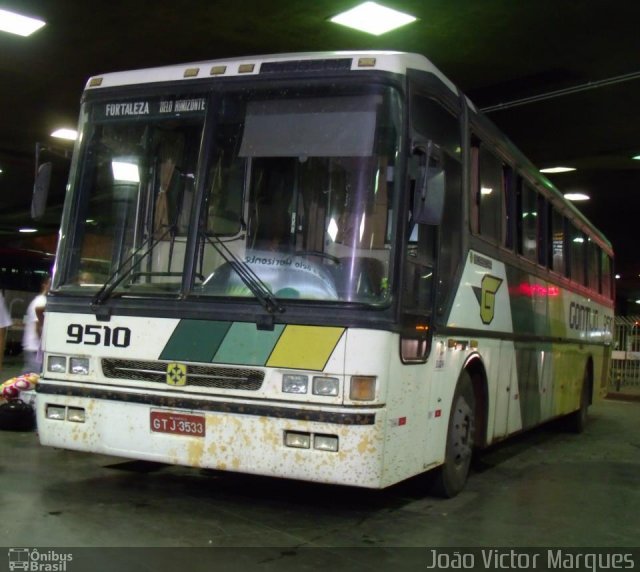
(69, 134)
(576, 197)
(373, 18)
(557, 170)
(18, 24)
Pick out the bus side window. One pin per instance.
(605, 275)
(417, 290)
(543, 235)
(509, 208)
(528, 222)
(593, 266)
(438, 124)
(557, 242)
(418, 278)
(577, 251)
(489, 192)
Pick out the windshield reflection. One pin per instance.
(298, 186)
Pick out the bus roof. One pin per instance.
(394, 62)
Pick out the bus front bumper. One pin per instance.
(337, 445)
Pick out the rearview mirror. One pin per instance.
(428, 199)
(41, 191)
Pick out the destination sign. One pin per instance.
(150, 108)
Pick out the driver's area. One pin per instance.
(305, 207)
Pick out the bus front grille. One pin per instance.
(194, 376)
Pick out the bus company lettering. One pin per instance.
(124, 109)
(481, 261)
(582, 318)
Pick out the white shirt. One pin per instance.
(5, 318)
(31, 339)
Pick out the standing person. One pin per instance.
(33, 321)
(5, 322)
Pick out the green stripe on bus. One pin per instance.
(195, 340)
(246, 345)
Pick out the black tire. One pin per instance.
(451, 477)
(577, 421)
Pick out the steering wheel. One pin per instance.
(330, 257)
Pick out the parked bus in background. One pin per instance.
(324, 266)
(22, 272)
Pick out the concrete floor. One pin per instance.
(544, 488)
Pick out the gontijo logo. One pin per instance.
(34, 560)
(486, 295)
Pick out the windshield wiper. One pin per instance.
(258, 288)
(110, 284)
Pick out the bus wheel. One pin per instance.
(577, 421)
(451, 477)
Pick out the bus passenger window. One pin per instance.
(528, 223)
(489, 193)
(509, 207)
(593, 268)
(577, 255)
(557, 242)
(543, 235)
(605, 276)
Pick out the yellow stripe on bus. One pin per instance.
(305, 347)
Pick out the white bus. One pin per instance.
(326, 266)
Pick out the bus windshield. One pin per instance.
(297, 191)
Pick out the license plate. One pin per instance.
(177, 423)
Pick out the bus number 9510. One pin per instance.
(95, 335)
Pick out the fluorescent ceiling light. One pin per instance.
(125, 172)
(70, 134)
(636, 157)
(373, 18)
(576, 197)
(17, 24)
(557, 169)
(27, 230)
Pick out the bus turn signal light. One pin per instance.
(363, 388)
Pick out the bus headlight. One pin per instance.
(326, 385)
(297, 440)
(325, 443)
(363, 388)
(55, 412)
(79, 366)
(295, 383)
(76, 414)
(57, 364)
